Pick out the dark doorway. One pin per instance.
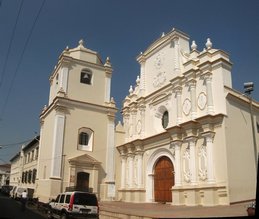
(82, 181)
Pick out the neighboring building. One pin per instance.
(77, 127)
(24, 165)
(16, 169)
(30, 153)
(188, 137)
(4, 174)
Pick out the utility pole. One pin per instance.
(249, 87)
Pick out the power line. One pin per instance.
(10, 44)
(21, 58)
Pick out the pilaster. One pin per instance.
(192, 85)
(208, 81)
(177, 148)
(209, 136)
(192, 146)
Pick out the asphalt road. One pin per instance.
(11, 209)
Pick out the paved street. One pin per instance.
(153, 210)
(11, 209)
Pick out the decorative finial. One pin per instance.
(81, 42)
(108, 59)
(112, 100)
(138, 80)
(193, 46)
(208, 44)
(67, 48)
(107, 62)
(163, 34)
(131, 89)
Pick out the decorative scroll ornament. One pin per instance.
(186, 106)
(186, 165)
(159, 60)
(202, 101)
(139, 127)
(159, 79)
(131, 130)
(172, 147)
(202, 157)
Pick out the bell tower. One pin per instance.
(77, 126)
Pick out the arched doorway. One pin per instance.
(163, 179)
(82, 181)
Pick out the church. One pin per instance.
(186, 136)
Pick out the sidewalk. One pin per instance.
(155, 210)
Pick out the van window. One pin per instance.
(83, 199)
(67, 198)
(62, 198)
(57, 198)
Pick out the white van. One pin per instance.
(18, 192)
(11, 193)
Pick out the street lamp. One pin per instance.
(249, 87)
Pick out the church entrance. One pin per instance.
(163, 180)
(82, 181)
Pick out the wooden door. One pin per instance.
(163, 180)
(82, 181)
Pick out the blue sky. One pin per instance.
(115, 28)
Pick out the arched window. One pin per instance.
(29, 176)
(34, 174)
(165, 119)
(83, 138)
(86, 76)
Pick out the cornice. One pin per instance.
(66, 103)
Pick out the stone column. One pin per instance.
(108, 75)
(57, 146)
(176, 55)
(142, 113)
(123, 171)
(134, 115)
(110, 150)
(192, 85)
(142, 77)
(64, 78)
(139, 155)
(177, 147)
(131, 170)
(38, 176)
(208, 81)
(209, 150)
(192, 145)
(178, 93)
(126, 125)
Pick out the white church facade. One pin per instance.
(186, 136)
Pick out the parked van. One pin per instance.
(74, 205)
(11, 193)
(19, 190)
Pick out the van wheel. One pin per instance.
(63, 216)
(49, 214)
